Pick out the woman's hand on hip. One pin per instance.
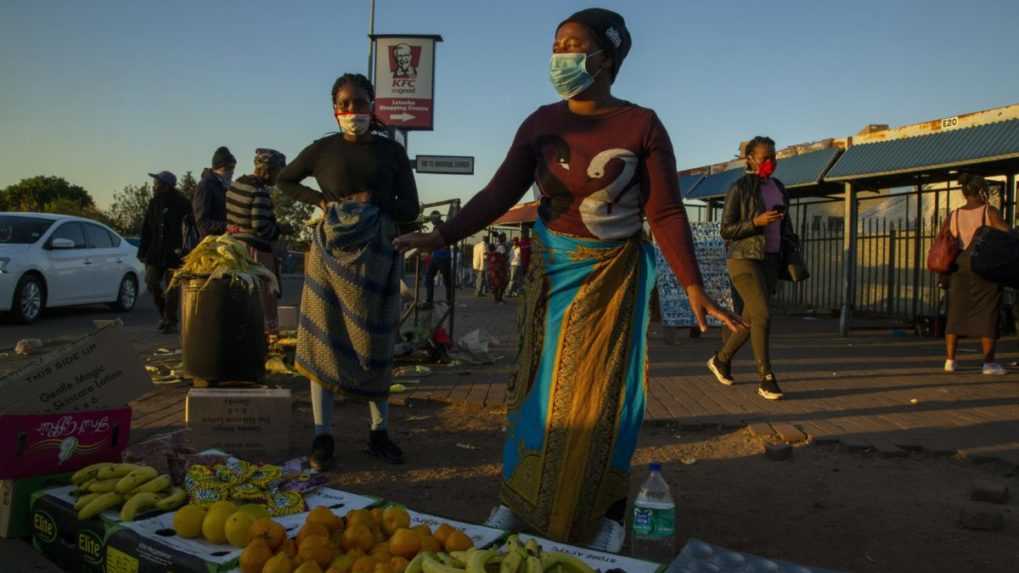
(702, 306)
(421, 241)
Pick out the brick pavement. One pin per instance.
(860, 390)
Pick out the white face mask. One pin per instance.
(354, 123)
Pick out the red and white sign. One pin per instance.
(404, 88)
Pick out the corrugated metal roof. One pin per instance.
(805, 169)
(948, 149)
(716, 185)
(687, 183)
(519, 213)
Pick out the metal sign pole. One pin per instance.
(371, 43)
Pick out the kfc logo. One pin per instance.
(404, 60)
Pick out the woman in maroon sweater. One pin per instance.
(576, 403)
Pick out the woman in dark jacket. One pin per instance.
(756, 232)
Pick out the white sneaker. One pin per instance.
(610, 536)
(949, 366)
(502, 518)
(994, 369)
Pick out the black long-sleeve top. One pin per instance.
(378, 167)
(209, 205)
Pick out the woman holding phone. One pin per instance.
(756, 230)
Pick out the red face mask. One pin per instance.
(766, 168)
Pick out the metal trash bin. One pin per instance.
(222, 330)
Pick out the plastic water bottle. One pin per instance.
(654, 520)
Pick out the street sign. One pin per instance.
(444, 164)
(404, 80)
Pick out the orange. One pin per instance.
(323, 516)
(342, 564)
(360, 517)
(380, 537)
(430, 544)
(398, 564)
(317, 549)
(405, 543)
(358, 536)
(311, 530)
(267, 529)
(308, 567)
(278, 564)
(442, 532)
(255, 555)
(395, 517)
(457, 541)
(381, 551)
(364, 565)
(377, 514)
(423, 530)
(356, 553)
(289, 548)
(383, 568)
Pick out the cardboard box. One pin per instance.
(99, 371)
(16, 502)
(251, 424)
(151, 545)
(598, 560)
(289, 316)
(70, 543)
(41, 444)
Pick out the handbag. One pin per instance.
(793, 268)
(944, 250)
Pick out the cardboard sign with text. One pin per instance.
(99, 371)
(253, 424)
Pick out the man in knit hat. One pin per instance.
(209, 202)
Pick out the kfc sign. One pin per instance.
(404, 69)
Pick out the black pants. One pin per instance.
(167, 300)
(754, 282)
(436, 267)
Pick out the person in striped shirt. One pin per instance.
(250, 218)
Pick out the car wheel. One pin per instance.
(29, 299)
(127, 294)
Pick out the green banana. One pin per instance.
(138, 503)
(103, 486)
(154, 485)
(431, 564)
(136, 478)
(116, 471)
(568, 563)
(99, 505)
(479, 559)
(511, 562)
(88, 472)
(534, 565)
(85, 500)
(415, 564)
(533, 548)
(176, 498)
(513, 545)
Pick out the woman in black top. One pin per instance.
(350, 305)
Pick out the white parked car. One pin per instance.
(51, 260)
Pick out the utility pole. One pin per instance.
(371, 43)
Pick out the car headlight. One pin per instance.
(3, 264)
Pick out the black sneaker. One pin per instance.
(721, 370)
(322, 449)
(769, 389)
(380, 445)
(162, 326)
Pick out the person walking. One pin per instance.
(756, 231)
(480, 261)
(576, 403)
(974, 303)
(440, 263)
(161, 245)
(209, 202)
(251, 218)
(498, 268)
(350, 306)
(514, 281)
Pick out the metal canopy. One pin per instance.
(717, 185)
(687, 184)
(806, 169)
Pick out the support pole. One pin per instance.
(850, 216)
(1010, 198)
(371, 43)
(918, 245)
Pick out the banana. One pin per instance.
(137, 503)
(88, 473)
(479, 559)
(568, 563)
(176, 498)
(512, 562)
(533, 548)
(415, 564)
(85, 486)
(513, 545)
(85, 500)
(100, 504)
(534, 565)
(136, 478)
(103, 486)
(460, 558)
(116, 471)
(154, 485)
(432, 565)
(450, 561)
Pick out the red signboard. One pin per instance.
(404, 86)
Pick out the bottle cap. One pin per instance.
(656, 467)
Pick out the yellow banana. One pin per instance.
(85, 500)
(176, 498)
(103, 486)
(88, 473)
(138, 502)
(116, 471)
(512, 562)
(85, 486)
(136, 478)
(533, 548)
(567, 562)
(154, 485)
(479, 559)
(449, 560)
(99, 505)
(534, 565)
(415, 564)
(432, 565)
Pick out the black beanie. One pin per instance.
(610, 30)
(223, 158)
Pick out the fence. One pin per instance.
(891, 275)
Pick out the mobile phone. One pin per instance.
(780, 208)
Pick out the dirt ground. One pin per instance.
(825, 507)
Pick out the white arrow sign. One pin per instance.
(403, 117)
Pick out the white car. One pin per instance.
(51, 260)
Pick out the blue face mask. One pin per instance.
(569, 74)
